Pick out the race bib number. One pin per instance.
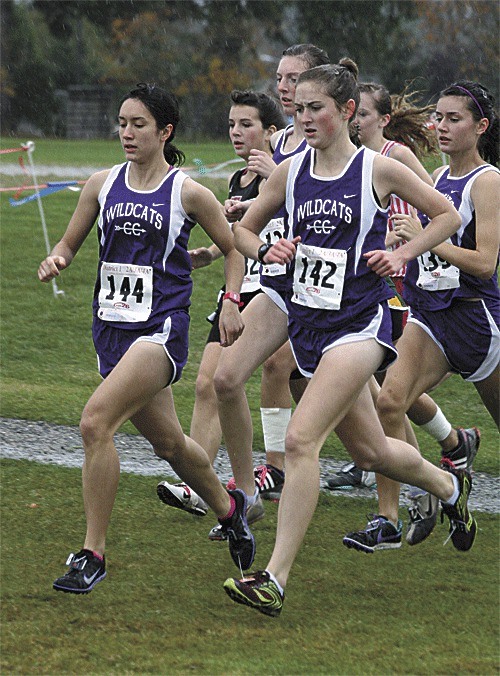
(318, 280)
(251, 279)
(271, 234)
(126, 292)
(435, 274)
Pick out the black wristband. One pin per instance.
(263, 249)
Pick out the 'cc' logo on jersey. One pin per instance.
(129, 228)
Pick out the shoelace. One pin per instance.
(76, 564)
(374, 521)
(455, 525)
(347, 468)
(447, 464)
(75, 567)
(415, 514)
(262, 474)
(232, 534)
(452, 530)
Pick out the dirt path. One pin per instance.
(60, 445)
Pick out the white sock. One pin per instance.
(280, 588)
(456, 491)
(438, 427)
(252, 499)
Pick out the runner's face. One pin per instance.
(369, 121)
(318, 115)
(139, 135)
(246, 131)
(457, 131)
(289, 69)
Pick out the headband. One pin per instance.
(472, 97)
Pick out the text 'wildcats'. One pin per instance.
(322, 208)
(141, 211)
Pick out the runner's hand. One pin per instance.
(231, 323)
(261, 163)
(51, 267)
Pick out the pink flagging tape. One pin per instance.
(42, 185)
(3, 151)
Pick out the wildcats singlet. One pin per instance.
(144, 267)
(331, 280)
(432, 283)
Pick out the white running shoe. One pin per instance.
(423, 516)
(350, 476)
(182, 497)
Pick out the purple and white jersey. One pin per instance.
(280, 155)
(144, 271)
(431, 283)
(273, 275)
(338, 220)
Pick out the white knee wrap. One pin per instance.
(438, 427)
(274, 424)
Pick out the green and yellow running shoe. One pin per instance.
(257, 591)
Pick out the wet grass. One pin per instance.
(102, 153)
(162, 610)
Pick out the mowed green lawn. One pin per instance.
(162, 610)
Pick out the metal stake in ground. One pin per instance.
(30, 147)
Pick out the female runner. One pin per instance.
(336, 199)
(265, 316)
(146, 209)
(452, 289)
(253, 119)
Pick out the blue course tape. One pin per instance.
(51, 188)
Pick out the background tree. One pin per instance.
(375, 33)
(28, 68)
(460, 40)
(201, 49)
(234, 33)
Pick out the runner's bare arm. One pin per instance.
(391, 177)
(264, 207)
(80, 225)
(481, 261)
(202, 205)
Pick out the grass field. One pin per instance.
(104, 153)
(162, 610)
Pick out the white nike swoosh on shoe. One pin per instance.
(89, 580)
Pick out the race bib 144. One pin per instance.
(126, 292)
